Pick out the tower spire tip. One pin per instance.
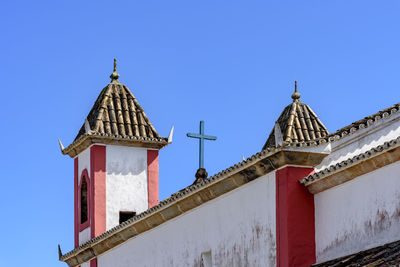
(114, 76)
(296, 95)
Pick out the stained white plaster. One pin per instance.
(84, 235)
(362, 140)
(86, 264)
(126, 182)
(238, 228)
(83, 163)
(360, 214)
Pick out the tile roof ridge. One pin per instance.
(363, 123)
(388, 145)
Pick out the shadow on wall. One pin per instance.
(127, 166)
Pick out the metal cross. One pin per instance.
(201, 136)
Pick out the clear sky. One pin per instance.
(229, 63)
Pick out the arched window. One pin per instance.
(84, 200)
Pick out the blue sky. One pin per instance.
(230, 63)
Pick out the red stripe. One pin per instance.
(152, 177)
(76, 226)
(93, 263)
(295, 219)
(98, 190)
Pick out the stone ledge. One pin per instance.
(87, 140)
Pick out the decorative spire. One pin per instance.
(114, 76)
(295, 95)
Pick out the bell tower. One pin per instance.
(115, 162)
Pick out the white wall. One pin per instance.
(126, 182)
(238, 228)
(84, 235)
(360, 214)
(83, 163)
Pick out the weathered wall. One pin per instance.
(126, 182)
(381, 131)
(360, 214)
(238, 228)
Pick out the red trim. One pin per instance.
(93, 263)
(98, 190)
(76, 230)
(295, 221)
(83, 226)
(152, 177)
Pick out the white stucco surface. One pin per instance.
(238, 228)
(86, 264)
(362, 140)
(360, 214)
(83, 163)
(84, 235)
(126, 182)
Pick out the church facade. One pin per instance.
(309, 197)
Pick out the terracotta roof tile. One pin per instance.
(297, 123)
(386, 255)
(117, 112)
(386, 146)
(363, 123)
(116, 118)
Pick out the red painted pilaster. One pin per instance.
(295, 220)
(152, 177)
(98, 190)
(93, 263)
(76, 225)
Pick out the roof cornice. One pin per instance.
(87, 140)
(227, 180)
(351, 168)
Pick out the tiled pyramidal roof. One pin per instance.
(297, 123)
(117, 112)
(116, 118)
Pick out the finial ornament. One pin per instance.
(114, 75)
(295, 95)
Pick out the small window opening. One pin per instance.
(125, 215)
(84, 199)
(206, 259)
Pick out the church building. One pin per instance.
(308, 198)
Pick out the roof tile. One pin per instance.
(386, 255)
(297, 124)
(117, 112)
